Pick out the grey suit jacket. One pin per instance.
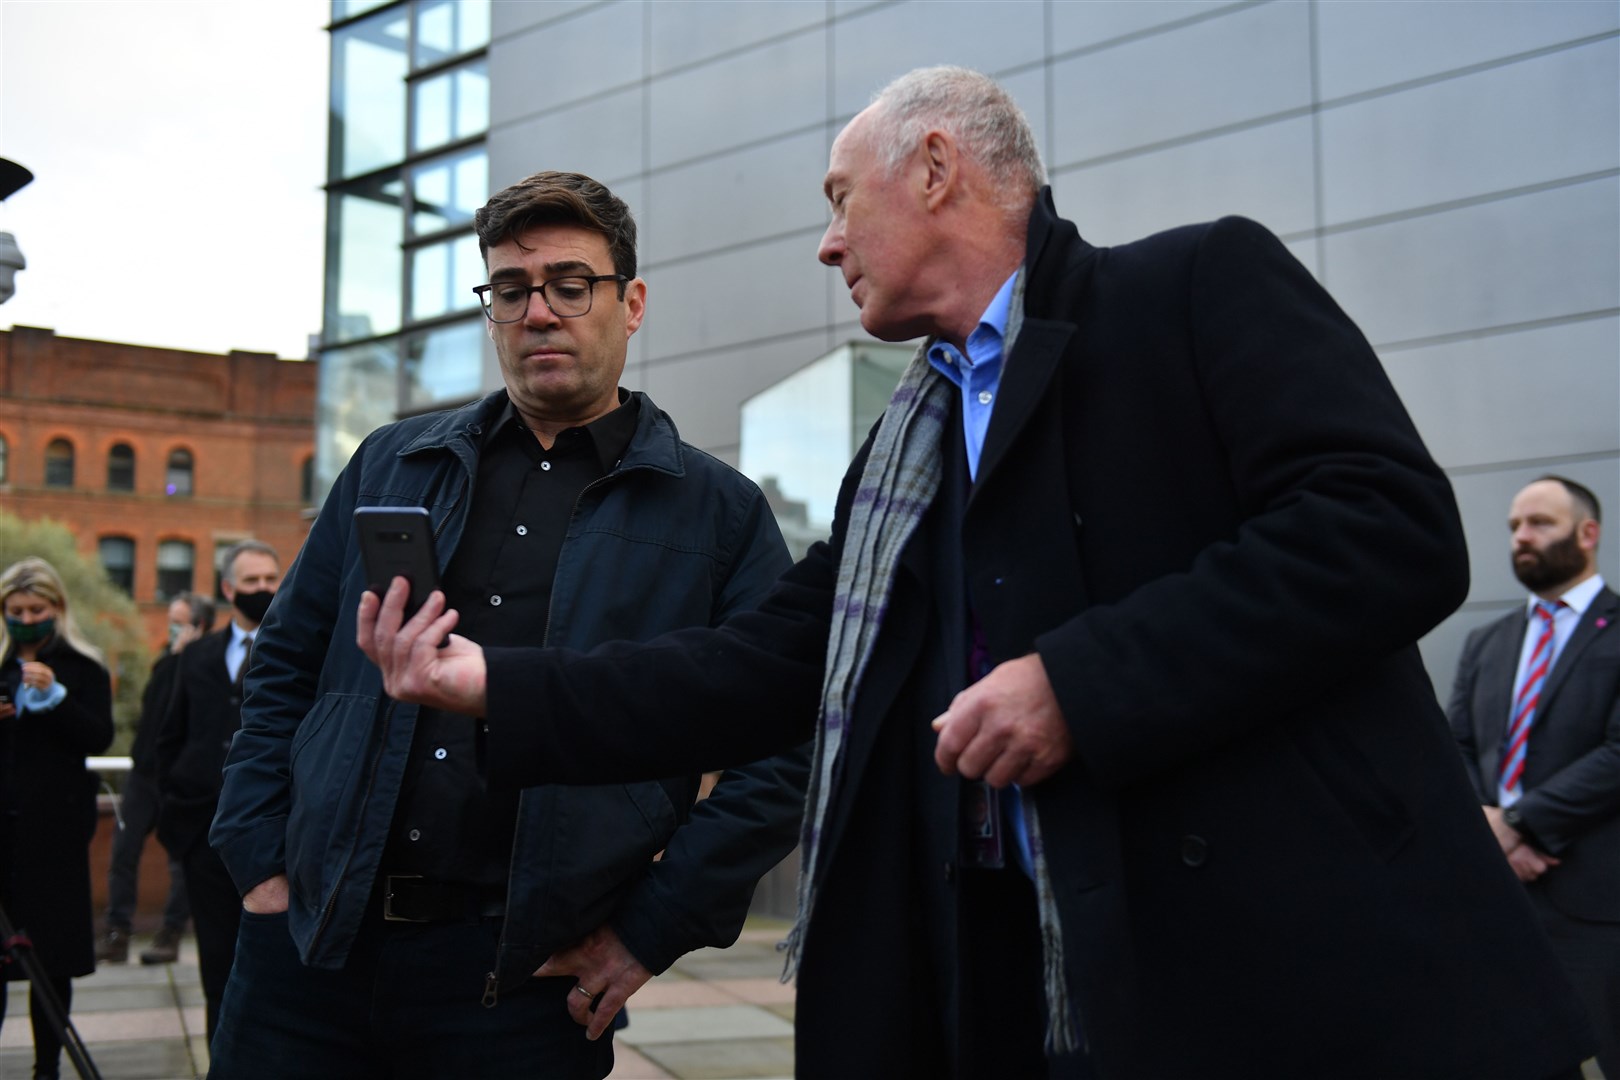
(1571, 805)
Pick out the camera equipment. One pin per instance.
(16, 948)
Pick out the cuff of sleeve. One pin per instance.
(511, 746)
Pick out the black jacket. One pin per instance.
(204, 711)
(48, 811)
(671, 537)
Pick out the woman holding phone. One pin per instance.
(57, 709)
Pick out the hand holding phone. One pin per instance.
(397, 541)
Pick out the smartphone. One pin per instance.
(397, 541)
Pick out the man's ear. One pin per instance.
(1587, 534)
(943, 163)
(635, 305)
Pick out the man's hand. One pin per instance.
(608, 974)
(414, 666)
(1529, 863)
(268, 897)
(1506, 835)
(1005, 728)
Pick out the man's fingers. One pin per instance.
(607, 1006)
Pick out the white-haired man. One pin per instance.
(1124, 738)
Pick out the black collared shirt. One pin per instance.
(447, 826)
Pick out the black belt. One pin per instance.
(414, 898)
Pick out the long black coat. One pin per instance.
(203, 713)
(48, 811)
(1202, 503)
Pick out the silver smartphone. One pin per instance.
(397, 541)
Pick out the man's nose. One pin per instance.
(831, 250)
(540, 313)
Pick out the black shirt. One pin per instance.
(447, 826)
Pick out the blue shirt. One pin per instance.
(978, 374)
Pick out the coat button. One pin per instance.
(1194, 850)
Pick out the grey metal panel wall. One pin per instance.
(1451, 172)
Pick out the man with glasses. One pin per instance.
(403, 916)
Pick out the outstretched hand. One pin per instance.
(1006, 728)
(421, 661)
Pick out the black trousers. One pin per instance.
(1590, 953)
(216, 912)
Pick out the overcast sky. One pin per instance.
(178, 151)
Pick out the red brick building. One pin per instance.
(157, 459)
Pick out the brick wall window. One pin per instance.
(118, 560)
(175, 563)
(59, 463)
(177, 480)
(121, 468)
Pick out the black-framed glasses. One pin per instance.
(567, 297)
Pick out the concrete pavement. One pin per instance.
(715, 1014)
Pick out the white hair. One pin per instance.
(973, 108)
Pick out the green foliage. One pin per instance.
(104, 612)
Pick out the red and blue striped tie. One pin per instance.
(1511, 770)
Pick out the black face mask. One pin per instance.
(253, 605)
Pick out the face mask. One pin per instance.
(253, 605)
(175, 630)
(30, 633)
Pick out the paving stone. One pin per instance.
(712, 1024)
(753, 1059)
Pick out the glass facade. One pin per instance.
(406, 170)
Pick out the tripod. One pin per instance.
(16, 948)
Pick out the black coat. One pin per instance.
(1202, 503)
(48, 811)
(204, 711)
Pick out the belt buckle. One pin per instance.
(388, 897)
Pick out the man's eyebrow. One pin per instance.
(827, 186)
(551, 270)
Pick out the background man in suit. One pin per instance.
(190, 616)
(1146, 533)
(1536, 712)
(204, 713)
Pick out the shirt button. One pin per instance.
(985, 397)
(545, 466)
(441, 753)
(495, 601)
(415, 834)
(523, 530)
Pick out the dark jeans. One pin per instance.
(47, 1046)
(406, 1004)
(139, 809)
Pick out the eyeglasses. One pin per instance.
(567, 297)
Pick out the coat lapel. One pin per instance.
(1599, 617)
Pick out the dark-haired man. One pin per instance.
(1536, 713)
(205, 709)
(398, 905)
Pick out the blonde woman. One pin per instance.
(55, 708)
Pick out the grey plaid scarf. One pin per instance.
(898, 484)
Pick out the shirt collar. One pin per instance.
(1577, 599)
(239, 635)
(984, 344)
(610, 434)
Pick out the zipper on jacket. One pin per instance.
(491, 989)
